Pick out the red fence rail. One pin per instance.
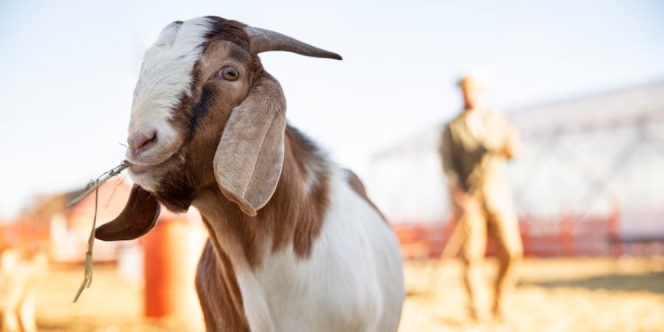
(566, 236)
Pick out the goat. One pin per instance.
(18, 277)
(295, 244)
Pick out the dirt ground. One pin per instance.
(553, 295)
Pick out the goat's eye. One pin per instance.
(228, 73)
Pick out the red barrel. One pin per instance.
(167, 272)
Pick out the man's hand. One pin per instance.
(512, 147)
(465, 202)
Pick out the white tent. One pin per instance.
(583, 156)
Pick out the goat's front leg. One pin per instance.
(27, 313)
(10, 322)
(255, 304)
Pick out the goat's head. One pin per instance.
(205, 113)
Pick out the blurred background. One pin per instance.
(583, 82)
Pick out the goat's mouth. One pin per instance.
(146, 176)
(139, 169)
(150, 176)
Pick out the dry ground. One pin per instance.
(553, 295)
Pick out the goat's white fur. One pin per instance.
(166, 76)
(314, 171)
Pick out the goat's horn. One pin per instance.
(265, 40)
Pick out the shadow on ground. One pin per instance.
(650, 282)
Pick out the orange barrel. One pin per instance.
(168, 280)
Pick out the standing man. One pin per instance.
(475, 146)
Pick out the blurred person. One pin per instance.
(475, 146)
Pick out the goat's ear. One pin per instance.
(250, 155)
(137, 218)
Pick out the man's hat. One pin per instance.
(473, 82)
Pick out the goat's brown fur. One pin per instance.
(291, 217)
(210, 106)
(219, 296)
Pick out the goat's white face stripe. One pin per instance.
(167, 65)
(166, 75)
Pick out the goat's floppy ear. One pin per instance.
(137, 218)
(250, 155)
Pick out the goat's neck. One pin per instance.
(293, 216)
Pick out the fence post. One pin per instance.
(615, 244)
(567, 236)
(525, 236)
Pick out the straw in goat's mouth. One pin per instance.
(94, 186)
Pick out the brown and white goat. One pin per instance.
(295, 245)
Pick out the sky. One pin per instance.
(68, 69)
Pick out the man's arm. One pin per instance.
(447, 155)
(457, 193)
(512, 141)
(512, 148)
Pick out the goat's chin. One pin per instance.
(156, 177)
(149, 171)
(145, 179)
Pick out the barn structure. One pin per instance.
(62, 232)
(162, 263)
(51, 226)
(590, 180)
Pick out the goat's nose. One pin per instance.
(142, 139)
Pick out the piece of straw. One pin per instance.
(94, 186)
(97, 183)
